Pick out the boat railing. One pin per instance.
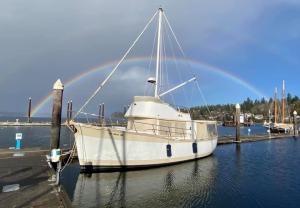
(171, 132)
(166, 131)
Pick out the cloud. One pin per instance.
(45, 40)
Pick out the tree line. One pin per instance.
(256, 107)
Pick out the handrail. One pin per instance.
(171, 131)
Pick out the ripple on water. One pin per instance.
(260, 174)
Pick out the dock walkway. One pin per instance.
(251, 138)
(32, 173)
(33, 124)
(26, 124)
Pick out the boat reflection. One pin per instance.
(177, 185)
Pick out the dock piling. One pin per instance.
(29, 110)
(56, 114)
(102, 115)
(68, 112)
(124, 110)
(71, 110)
(295, 123)
(237, 122)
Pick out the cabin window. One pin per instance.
(169, 150)
(212, 130)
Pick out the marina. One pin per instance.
(226, 179)
(148, 104)
(215, 175)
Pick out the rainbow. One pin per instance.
(193, 63)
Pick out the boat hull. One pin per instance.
(109, 148)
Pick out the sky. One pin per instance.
(237, 48)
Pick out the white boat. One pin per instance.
(156, 133)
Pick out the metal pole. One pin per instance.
(56, 114)
(283, 103)
(158, 53)
(237, 122)
(275, 106)
(295, 123)
(29, 111)
(269, 123)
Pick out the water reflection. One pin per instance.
(167, 186)
(257, 174)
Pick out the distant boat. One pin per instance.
(156, 133)
(279, 127)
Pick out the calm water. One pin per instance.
(40, 136)
(32, 137)
(260, 174)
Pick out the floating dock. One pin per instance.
(251, 138)
(26, 124)
(26, 180)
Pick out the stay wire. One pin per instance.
(181, 50)
(150, 63)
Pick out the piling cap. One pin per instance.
(58, 85)
(237, 106)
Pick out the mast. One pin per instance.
(160, 11)
(283, 102)
(275, 105)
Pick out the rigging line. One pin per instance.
(181, 50)
(71, 156)
(151, 59)
(175, 37)
(168, 85)
(116, 67)
(177, 69)
(201, 93)
(175, 60)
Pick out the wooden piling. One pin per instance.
(124, 110)
(29, 111)
(71, 110)
(237, 122)
(68, 112)
(100, 115)
(56, 114)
